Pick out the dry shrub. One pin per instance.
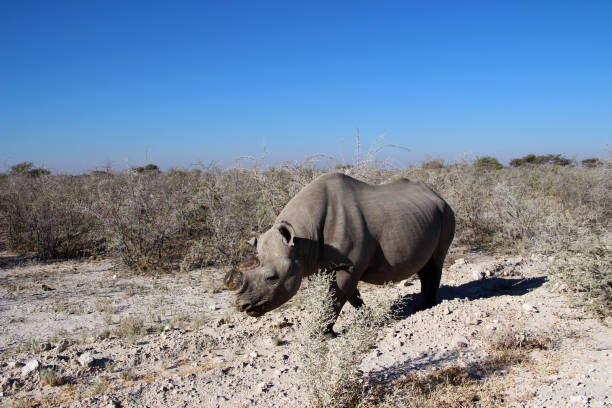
(237, 203)
(583, 268)
(46, 215)
(154, 220)
(142, 214)
(130, 328)
(330, 367)
(52, 377)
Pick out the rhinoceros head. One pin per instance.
(272, 277)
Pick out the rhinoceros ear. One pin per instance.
(287, 232)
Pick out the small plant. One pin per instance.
(101, 386)
(21, 403)
(130, 327)
(180, 321)
(128, 375)
(201, 320)
(51, 377)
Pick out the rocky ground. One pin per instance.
(89, 334)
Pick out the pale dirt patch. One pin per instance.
(200, 352)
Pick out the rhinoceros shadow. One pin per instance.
(481, 289)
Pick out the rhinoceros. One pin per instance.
(360, 232)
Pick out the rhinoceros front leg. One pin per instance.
(342, 289)
(356, 301)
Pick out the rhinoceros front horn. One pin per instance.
(233, 279)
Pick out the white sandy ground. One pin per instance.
(216, 357)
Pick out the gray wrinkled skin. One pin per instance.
(357, 231)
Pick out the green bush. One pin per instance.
(487, 162)
(532, 159)
(592, 162)
(432, 164)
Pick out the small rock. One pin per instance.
(213, 307)
(253, 354)
(15, 364)
(577, 399)
(460, 341)
(473, 321)
(264, 386)
(220, 322)
(529, 308)
(405, 283)
(478, 275)
(30, 366)
(45, 346)
(115, 277)
(167, 328)
(460, 261)
(86, 359)
(446, 311)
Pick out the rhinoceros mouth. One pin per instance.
(256, 310)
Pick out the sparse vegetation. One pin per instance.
(179, 219)
(330, 367)
(481, 383)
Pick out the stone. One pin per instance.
(264, 386)
(213, 307)
(473, 321)
(460, 341)
(30, 367)
(15, 364)
(405, 283)
(478, 275)
(45, 346)
(62, 345)
(86, 359)
(529, 308)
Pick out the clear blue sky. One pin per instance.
(86, 82)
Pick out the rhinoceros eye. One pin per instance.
(272, 277)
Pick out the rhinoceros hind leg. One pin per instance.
(430, 282)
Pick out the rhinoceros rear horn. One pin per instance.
(233, 279)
